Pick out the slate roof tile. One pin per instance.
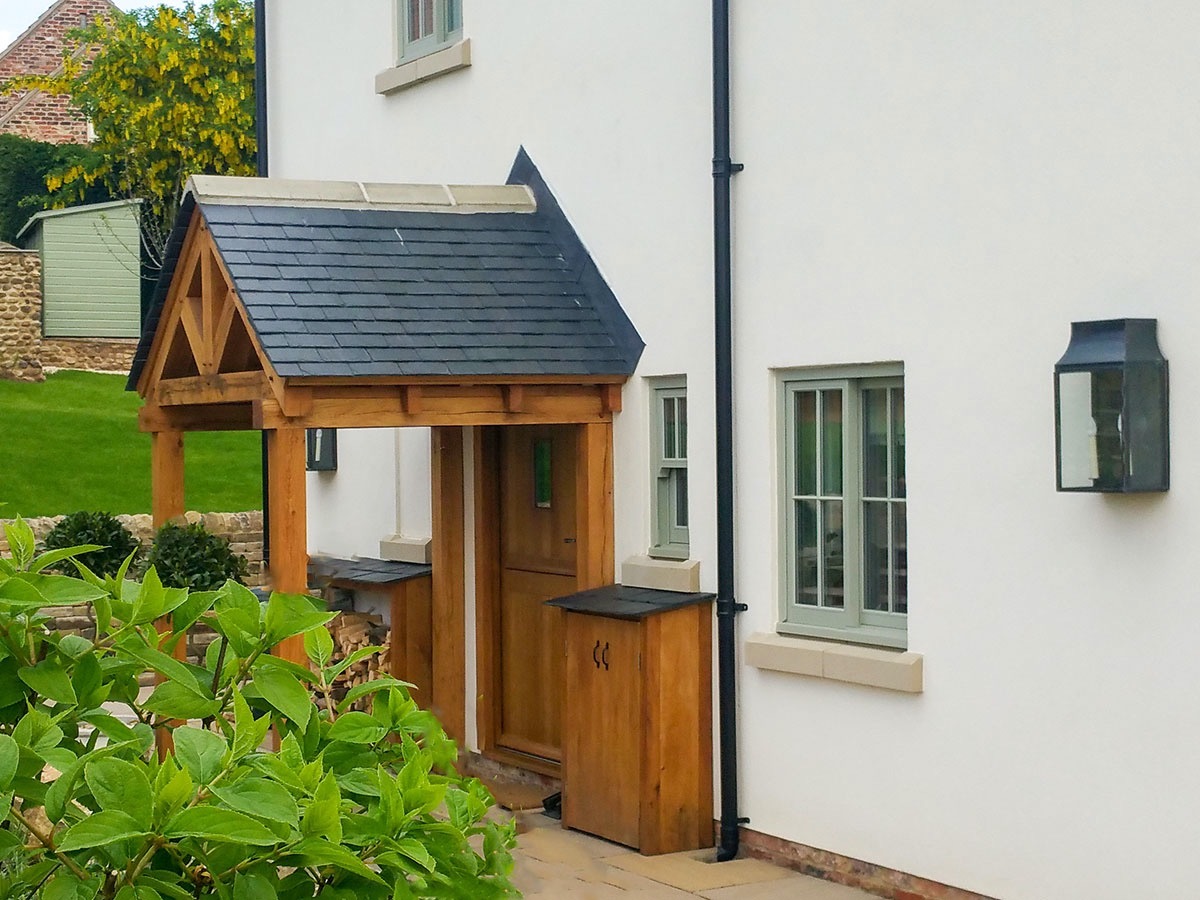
(374, 292)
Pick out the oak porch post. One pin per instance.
(594, 528)
(166, 476)
(449, 582)
(288, 528)
(166, 502)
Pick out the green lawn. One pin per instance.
(72, 443)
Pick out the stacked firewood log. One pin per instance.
(352, 631)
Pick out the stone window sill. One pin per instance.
(407, 74)
(682, 575)
(888, 669)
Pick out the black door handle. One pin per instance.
(594, 649)
(604, 655)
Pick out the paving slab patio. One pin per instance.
(552, 862)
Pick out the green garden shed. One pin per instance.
(91, 267)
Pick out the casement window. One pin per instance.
(844, 534)
(425, 26)
(429, 44)
(669, 473)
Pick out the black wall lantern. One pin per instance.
(1110, 409)
(322, 449)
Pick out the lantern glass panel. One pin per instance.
(1092, 429)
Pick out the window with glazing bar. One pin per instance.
(669, 469)
(845, 524)
(425, 26)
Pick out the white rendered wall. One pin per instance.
(951, 184)
(554, 89)
(943, 183)
(351, 509)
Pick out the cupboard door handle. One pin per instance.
(604, 655)
(594, 659)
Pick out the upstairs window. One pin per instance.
(669, 468)
(845, 502)
(426, 26)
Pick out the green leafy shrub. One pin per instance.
(99, 529)
(352, 805)
(24, 165)
(188, 556)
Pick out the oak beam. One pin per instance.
(449, 581)
(610, 397)
(430, 380)
(224, 323)
(514, 398)
(164, 332)
(375, 407)
(288, 527)
(410, 400)
(296, 401)
(206, 417)
(234, 387)
(595, 536)
(208, 302)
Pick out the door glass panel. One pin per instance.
(807, 559)
(831, 528)
(831, 441)
(875, 556)
(806, 442)
(875, 443)
(542, 474)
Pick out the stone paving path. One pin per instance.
(553, 863)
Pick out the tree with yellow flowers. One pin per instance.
(169, 93)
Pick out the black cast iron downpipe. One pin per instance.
(260, 140)
(727, 606)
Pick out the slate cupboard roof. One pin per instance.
(341, 279)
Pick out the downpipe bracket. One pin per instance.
(723, 168)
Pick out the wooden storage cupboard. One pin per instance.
(408, 587)
(637, 734)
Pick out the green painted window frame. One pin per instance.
(446, 29)
(852, 621)
(668, 468)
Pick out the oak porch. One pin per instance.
(207, 371)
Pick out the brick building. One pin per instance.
(38, 50)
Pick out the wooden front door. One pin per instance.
(537, 562)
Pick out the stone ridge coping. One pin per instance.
(455, 198)
(892, 670)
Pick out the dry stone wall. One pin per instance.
(243, 530)
(112, 355)
(20, 315)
